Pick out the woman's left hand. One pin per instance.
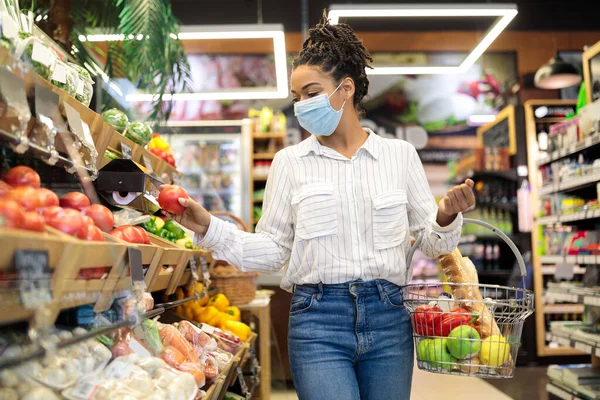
(458, 199)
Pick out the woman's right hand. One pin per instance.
(195, 217)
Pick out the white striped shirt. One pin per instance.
(329, 219)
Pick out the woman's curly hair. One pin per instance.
(336, 50)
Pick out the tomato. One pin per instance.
(91, 232)
(50, 212)
(68, 221)
(75, 200)
(26, 196)
(87, 220)
(33, 221)
(4, 188)
(102, 216)
(144, 234)
(130, 234)
(168, 199)
(11, 214)
(47, 197)
(22, 176)
(92, 273)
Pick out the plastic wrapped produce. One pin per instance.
(64, 77)
(152, 337)
(116, 118)
(200, 340)
(85, 87)
(138, 132)
(170, 336)
(127, 343)
(35, 54)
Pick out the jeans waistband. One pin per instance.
(377, 286)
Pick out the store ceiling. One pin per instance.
(539, 15)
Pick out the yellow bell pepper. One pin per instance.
(223, 318)
(239, 329)
(158, 142)
(234, 312)
(179, 295)
(200, 289)
(220, 302)
(209, 315)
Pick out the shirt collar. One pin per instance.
(311, 145)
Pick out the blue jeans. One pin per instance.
(350, 341)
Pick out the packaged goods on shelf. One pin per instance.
(564, 134)
(35, 54)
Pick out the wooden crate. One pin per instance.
(172, 256)
(214, 390)
(229, 375)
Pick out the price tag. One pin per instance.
(46, 105)
(138, 349)
(588, 141)
(9, 27)
(12, 90)
(87, 135)
(207, 328)
(135, 264)
(564, 271)
(194, 267)
(79, 89)
(41, 54)
(59, 74)
(126, 150)
(34, 277)
(147, 163)
(85, 388)
(74, 120)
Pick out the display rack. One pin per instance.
(545, 265)
(263, 147)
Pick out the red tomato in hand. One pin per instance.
(11, 214)
(75, 200)
(22, 176)
(103, 218)
(68, 221)
(33, 221)
(130, 234)
(47, 197)
(4, 188)
(168, 199)
(26, 196)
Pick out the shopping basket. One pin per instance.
(464, 328)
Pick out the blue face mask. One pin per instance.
(317, 116)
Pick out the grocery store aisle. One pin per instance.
(445, 386)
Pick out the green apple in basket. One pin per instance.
(464, 342)
(423, 350)
(439, 356)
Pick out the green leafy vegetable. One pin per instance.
(139, 133)
(116, 118)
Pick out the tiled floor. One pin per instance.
(451, 387)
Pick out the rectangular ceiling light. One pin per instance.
(224, 32)
(504, 13)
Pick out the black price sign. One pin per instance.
(34, 277)
(135, 264)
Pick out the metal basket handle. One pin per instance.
(501, 234)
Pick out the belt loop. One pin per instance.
(320, 293)
(293, 288)
(380, 289)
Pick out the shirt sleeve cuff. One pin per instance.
(213, 235)
(456, 224)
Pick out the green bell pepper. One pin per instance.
(172, 227)
(170, 236)
(150, 226)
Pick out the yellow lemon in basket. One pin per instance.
(494, 351)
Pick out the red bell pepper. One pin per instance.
(427, 320)
(453, 319)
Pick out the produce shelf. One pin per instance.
(581, 259)
(573, 217)
(561, 393)
(584, 347)
(578, 147)
(552, 270)
(587, 296)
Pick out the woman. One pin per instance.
(338, 211)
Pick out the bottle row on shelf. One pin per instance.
(484, 255)
(499, 218)
(567, 170)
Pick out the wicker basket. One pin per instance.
(239, 287)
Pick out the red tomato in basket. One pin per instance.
(131, 234)
(75, 200)
(68, 221)
(23, 176)
(26, 196)
(91, 232)
(49, 212)
(11, 214)
(168, 199)
(33, 221)
(47, 197)
(4, 188)
(103, 218)
(92, 273)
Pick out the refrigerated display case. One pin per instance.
(214, 159)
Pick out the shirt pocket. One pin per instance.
(316, 211)
(390, 219)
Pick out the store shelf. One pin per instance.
(552, 271)
(573, 217)
(263, 156)
(269, 135)
(479, 238)
(508, 207)
(578, 147)
(584, 296)
(568, 341)
(561, 393)
(563, 308)
(581, 260)
(571, 184)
